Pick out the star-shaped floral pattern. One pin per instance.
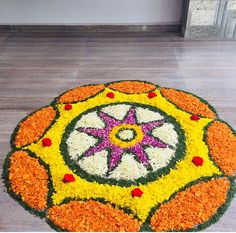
(117, 151)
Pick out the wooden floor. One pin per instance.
(35, 68)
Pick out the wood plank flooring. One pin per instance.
(36, 67)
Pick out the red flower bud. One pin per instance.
(151, 95)
(68, 107)
(195, 117)
(47, 142)
(137, 192)
(111, 95)
(198, 161)
(68, 178)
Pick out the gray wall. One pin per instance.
(90, 11)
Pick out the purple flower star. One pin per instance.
(116, 151)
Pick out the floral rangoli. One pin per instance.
(123, 156)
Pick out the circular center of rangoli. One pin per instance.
(126, 133)
(121, 142)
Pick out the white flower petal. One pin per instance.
(78, 143)
(128, 169)
(117, 111)
(126, 134)
(159, 157)
(166, 133)
(90, 120)
(146, 115)
(95, 164)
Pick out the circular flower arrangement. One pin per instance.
(124, 156)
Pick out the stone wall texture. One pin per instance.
(211, 19)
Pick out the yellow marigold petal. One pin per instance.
(91, 216)
(132, 87)
(34, 126)
(222, 144)
(191, 207)
(187, 102)
(28, 179)
(80, 93)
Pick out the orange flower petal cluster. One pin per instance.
(31, 129)
(187, 102)
(91, 216)
(80, 93)
(191, 207)
(222, 144)
(29, 179)
(132, 87)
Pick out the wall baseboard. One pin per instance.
(91, 28)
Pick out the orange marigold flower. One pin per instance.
(29, 179)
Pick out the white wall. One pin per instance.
(90, 11)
